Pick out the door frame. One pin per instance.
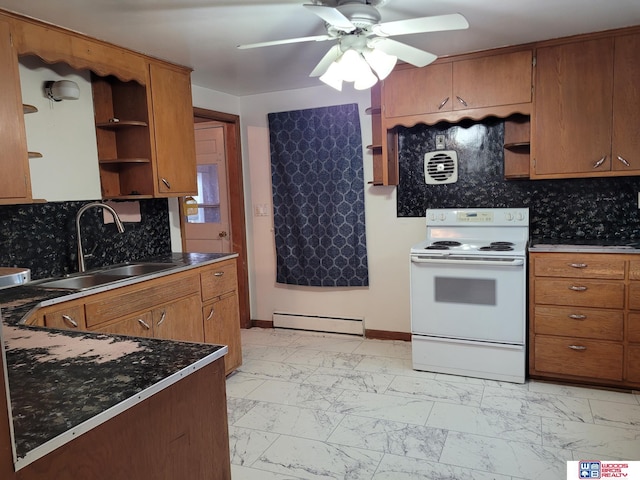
(236, 203)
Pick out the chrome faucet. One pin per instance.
(84, 208)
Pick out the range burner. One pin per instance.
(498, 247)
(446, 243)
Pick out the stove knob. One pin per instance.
(520, 217)
(508, 216)
(442, 217)
(432, 217)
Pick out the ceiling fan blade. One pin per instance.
(438, 23)
(316, 38)
(404, 52)
(332, 16)
(332, 55)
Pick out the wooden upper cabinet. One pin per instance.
(625, 150)
(440, 91)
(15, 183)
(586, 109)
(173, 129)
(54, 45)
(414, 91)
(494, 80)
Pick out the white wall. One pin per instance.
(385, 303)
(63, 132)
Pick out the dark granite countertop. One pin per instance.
(596, 245)
(63, 383)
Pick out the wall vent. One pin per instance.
(441, 167)
(319, 323)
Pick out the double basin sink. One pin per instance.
(88, 280)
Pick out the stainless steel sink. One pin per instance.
(104, 276)
(82, 282)
(137, 269)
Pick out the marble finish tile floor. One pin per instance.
(308, 405)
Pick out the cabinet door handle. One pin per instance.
(623, 161)
(210, 314)
(218, 274)
(578, 265)
(144, 324)
(70, 321)
(599, 162)
(577, 288)
(166, 182)
(577, 347)
(443, 103)
(462, 101)
(162, 317)
(575, 316)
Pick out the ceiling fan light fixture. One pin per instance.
(333, 76)
(366, 79)
(381, 62)
(352, 64)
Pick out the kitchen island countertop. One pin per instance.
(63, 383)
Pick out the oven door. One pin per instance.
(470, 298)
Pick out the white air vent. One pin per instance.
(441, 167)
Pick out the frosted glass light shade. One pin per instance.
(366, 79)
(381, 62)
(333, 76)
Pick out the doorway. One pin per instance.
(219, 224)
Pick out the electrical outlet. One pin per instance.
(440, 142)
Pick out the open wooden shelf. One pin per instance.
(28, 108)
(121, 124)
(35, 155)
(124, 160)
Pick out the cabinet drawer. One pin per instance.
(578, 292)
(633, 364)
(579, 266)
(68, 318)
(580, 322)
(132, 299)
(580, 357)
(219, 279)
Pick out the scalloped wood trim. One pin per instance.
(475, 114)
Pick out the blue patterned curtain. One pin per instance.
(318, 197)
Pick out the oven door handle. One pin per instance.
(486, 262)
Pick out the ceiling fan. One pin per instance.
(363, 42)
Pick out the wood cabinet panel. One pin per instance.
(140, 325)
(578, 292)
(413, 91)
(15, 183)
(579, 322)
(633, 329)
(222, 326)
(503, 79)
(579, 266)
(625, 150)
(634, 295)
(633, 363)
(173, 130)
(179, 320)
(579, 357)
(573, 105)
(634, 270)
(126, 301)
(69, 317)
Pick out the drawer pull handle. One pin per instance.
(577, 288)
(443, 103)
(461, 100)
(599, 162)
(577, 347)
(162, 317)
(578, 265)
(210, 315)
(70, 321)
(218, 274)
(166, 182)
(575, 316)
(144, 324)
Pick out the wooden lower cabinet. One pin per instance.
(222, 326)
(582, 327)
(180, 432)
(138, 326)
(68, 317)
(181, 320)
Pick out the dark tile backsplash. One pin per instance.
(593, 208)
(42, 236)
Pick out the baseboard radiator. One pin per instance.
(318, 323)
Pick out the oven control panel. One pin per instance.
(488, 216)
(474, 217)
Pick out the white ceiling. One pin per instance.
(203, 34)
